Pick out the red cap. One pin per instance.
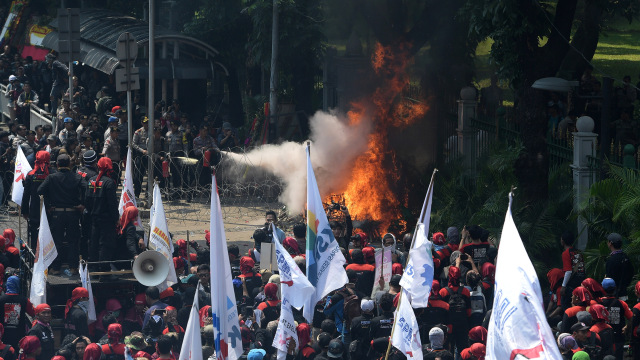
(140, 299)
(167, 293)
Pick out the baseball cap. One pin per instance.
(615, 239)
(115, 108)
(579, 326)
(52, 137)
(13, 78)
(584, 317)
(395, 280)
(68, 120)
(226, 125)
(336, 349)
(366, 305)
(144, 119)
(324, 339)
(256, 354)
(89, 157)
(607, 283)
(112, 119)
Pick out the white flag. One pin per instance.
(325, 262)
(128, 195)
(518, 324)
(286, 331)
(298, 288)
(406, 335)
(86, 283)
(22, 168)
(418, 276)
(384, 265)
(192, 343)
(46, 252)
(160, 238)
(228, 341)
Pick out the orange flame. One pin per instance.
(369, 194)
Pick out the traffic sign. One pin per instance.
(69, 34)
(127, 50)
(124, 78)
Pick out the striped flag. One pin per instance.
(228, 340)
(325, 262)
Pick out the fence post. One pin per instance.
(467, 109)
(584, 146)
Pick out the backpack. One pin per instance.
(350, 307)
(478, 302)
(457, 304)
(595, 351)
(270, 313)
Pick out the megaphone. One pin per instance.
(151, 268)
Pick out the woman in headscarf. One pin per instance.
(7, 351)
(488, 281)
(600, 317)
(75, 312)
(595, 289)
(30, 208)
(115, 346)
(459, 316)
(93, 351)
(127, 235)
(369, 254)
(580, 299)
(271, 306)
(111, 307)
(29, 348)
(306, 351)
(291, 245)
(554, 308)
(10, 250)
(251, 281)
(635, 325)
(13, 307)
(4, 259)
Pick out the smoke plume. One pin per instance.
(335, 146)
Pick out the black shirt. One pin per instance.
(45, 335)
(101, 198)
(620, 269)
(12, 316)
(76, 322)
(62, 189)
(30, 199)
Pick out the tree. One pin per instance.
(518, 29)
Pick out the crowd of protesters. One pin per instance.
(591, 319)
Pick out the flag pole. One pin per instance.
(420, 221)
(19, 224)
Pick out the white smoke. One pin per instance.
(334, 147)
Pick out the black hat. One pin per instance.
(324, 339)
(89, 157)
(336, 348)
(615, 239)
(579, 327)
(395, 280)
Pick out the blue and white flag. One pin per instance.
(192, 343)
(518, 323)
(228, 341)
(406, 336)
(418, 276)
(325, 262)
(295, 287)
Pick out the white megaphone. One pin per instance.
(151, 268)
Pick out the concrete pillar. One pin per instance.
(467, 109)
(584, 146)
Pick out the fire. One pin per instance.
(370, 194)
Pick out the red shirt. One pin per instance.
(263, 305)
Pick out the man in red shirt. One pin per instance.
(573, 267)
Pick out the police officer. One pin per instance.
(87, 171)
(30, 200)
(63, 193)
(102, 206)
(139, 150)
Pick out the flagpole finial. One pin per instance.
(513, 188)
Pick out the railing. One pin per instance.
(38, 116)
(4, 102)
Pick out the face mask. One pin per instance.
(84, 305)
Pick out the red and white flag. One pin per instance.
(22, 168)
(160, 239)
(128, 195)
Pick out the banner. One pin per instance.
(418, 275)
(160, 239)
(518, 323)
(384, 266)
(21, 171)
(46, 252)
(228, 341)
(325, 262)
(406, 334)
(192, 343)
(128, 195)
(86, 283)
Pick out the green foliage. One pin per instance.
(484, 202)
